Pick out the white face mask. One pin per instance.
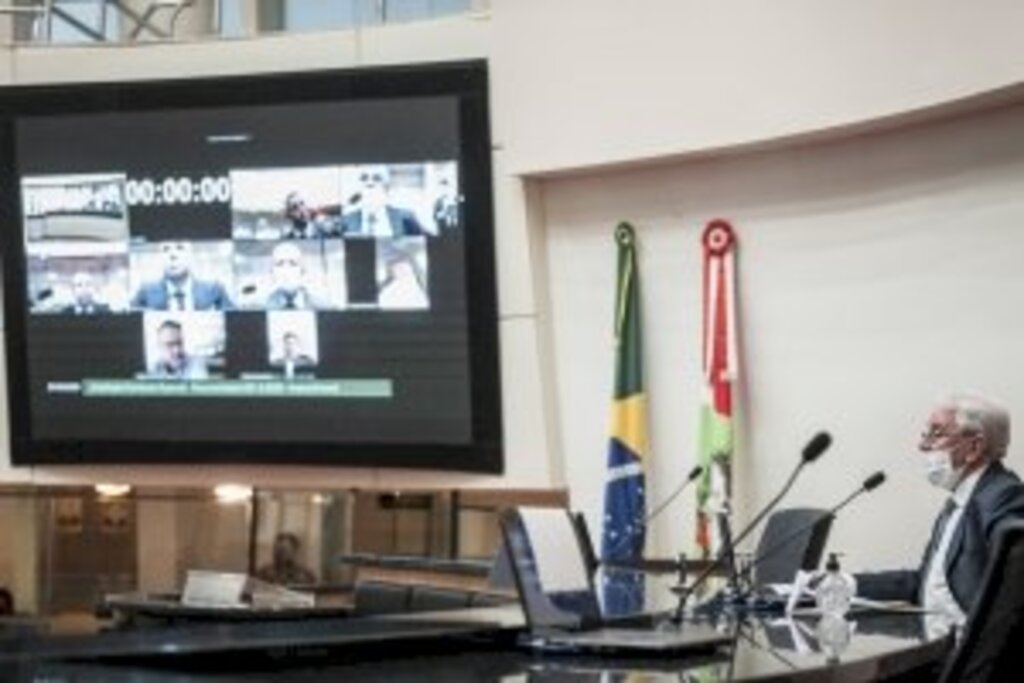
(940, 471)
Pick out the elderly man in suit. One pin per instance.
(178, 289)
(963, 444)
(375, 217)
(291, 291)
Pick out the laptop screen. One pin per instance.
(555, 588)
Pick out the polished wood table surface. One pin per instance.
(464, 645)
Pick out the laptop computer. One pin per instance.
(559, 600)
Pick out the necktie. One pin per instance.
(179, 300)
(933, 545)
(289, 300)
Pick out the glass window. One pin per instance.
(317, 15)
(78, 21)
(230, 19)
(415, 10)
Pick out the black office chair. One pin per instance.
(435, 599)
(990, 649)
(379, 597)
(792, 539)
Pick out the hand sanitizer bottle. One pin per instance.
(834, 592)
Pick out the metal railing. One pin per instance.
(47, 22)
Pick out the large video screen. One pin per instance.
(250, 269)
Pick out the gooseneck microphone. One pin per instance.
(818, 444)
(690, 478)
(870, 484)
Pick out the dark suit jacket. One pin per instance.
(206, 296)
(403, 223)
(997, 498)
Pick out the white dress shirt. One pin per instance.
(938, 598)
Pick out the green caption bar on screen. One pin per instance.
(237, 388)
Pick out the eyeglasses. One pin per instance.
(935, 433)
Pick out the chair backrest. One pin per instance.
(793, 539)
(586, 542)
(990, 648)
(379, 597)
(435, 599)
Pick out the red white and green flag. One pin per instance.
(720, 370)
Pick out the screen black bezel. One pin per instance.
(467, 81)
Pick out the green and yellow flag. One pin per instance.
(624, 529)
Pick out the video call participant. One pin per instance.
(307, 222)
(446, 206)
(963, 444)
(285, 567)
(288, 272)
(83, 293)
(292, 355)
(375, 216)
(291, 350)
(178, 289)
(173, 362)
(403, 282)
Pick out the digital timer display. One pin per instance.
(177, 191)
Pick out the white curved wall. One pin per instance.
(596, 82)
(876, 274)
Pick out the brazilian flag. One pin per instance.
(624, 530)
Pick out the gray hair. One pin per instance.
(978, 415)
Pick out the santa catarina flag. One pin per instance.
(720, 370)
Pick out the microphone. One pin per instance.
(691, 477)
(818, 444)
(872, 482)
(869, 484)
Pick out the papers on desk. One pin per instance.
(213, 589)
(228, 590)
